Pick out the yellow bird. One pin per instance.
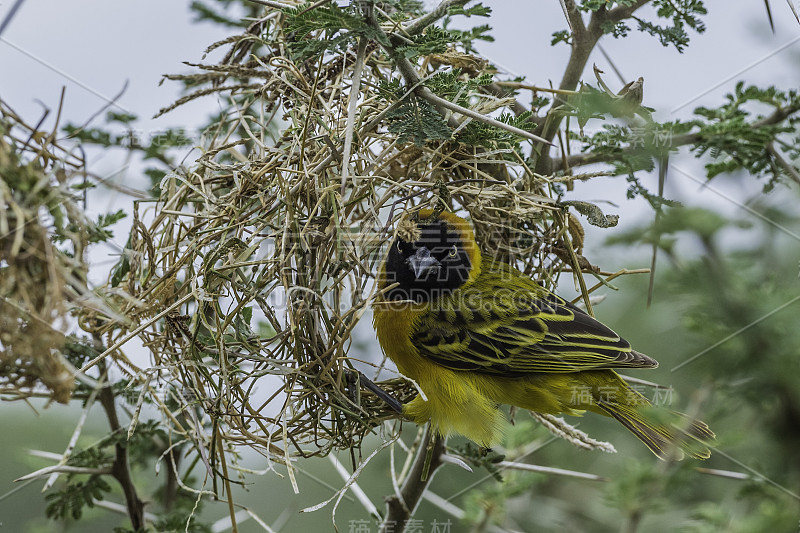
(476, 334)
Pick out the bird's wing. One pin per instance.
(517, 329)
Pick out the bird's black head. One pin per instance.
(438, 260)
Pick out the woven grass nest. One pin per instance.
(246, 278)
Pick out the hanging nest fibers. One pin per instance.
(43, 235)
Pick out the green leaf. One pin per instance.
(478, 133)
(478, 10)
(99, 232)
(561, 36)
(727, 134)
(123, 118)
(327, 28)
(433, 40)
(680, 13)
(415, 120)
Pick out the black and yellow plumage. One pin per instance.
(475, 334)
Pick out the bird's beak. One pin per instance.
(421, 263)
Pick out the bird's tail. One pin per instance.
(669, 439)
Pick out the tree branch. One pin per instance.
(64, 469)
(584, 39)
(407, 70)
(120, 470)
(783, 163)
(434, 99)
(414, 83)
(423, 22)
(401, 508)
(574, 18)
(583, 159)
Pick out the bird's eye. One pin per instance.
(453, 251)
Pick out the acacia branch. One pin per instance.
(414, 82)
(400, 508)
(441, 10)
(783, 163)
(64, 469)
(574, 18)
(407, 70)
(584, 39)
(583, 159)
(434, 99)
(120, 470)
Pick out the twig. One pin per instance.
(663, 166)
(723, 473)
(413, 80)
(549, 470)
(612, 274)
(423, 22)
(443, 504)
(583, 159)
(10, 15)
(120, 470)
(358, 492)
(314, 6)
(135, 332)
(401, 509)
(534, 88)
(575, 263)
(227, 481)
(787, 168)
(64, 469)
(352, 103)
(269, 3)
(117, 508)
(561, 429)
(73, 441)
(425, 93)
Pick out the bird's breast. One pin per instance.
(395, 322)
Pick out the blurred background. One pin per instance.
(722, 324)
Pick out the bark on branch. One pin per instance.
(584, 39)
(120, 470)
(400, 508)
